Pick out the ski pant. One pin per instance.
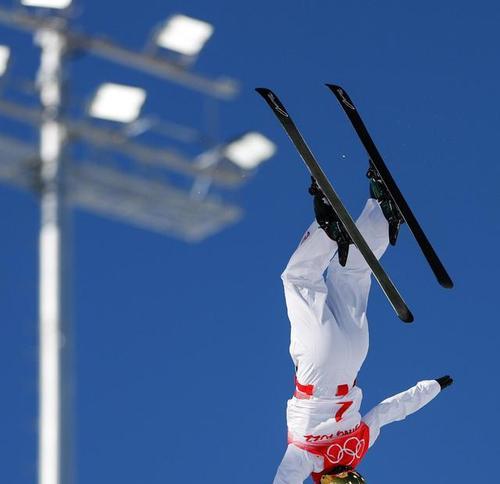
(326, 306)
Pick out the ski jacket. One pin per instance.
(319, 442)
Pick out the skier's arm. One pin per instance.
(296, 466)
(400, 406)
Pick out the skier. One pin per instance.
(326, 284)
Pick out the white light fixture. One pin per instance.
(4, 59)
(250, 150)
(60, 4)
(185, 35)
(116, 102)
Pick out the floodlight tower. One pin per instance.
(106, 191)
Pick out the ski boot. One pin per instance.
(391, 212)
(328, 220)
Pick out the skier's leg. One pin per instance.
(314, 331)
(329, 339)
(349, 286)
(311, 258)
(373, 227)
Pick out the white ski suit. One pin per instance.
(329, 341)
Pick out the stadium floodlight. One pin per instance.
(4, 59)
(59, 4)
(184, 35)
(250, 150)
(116, 102)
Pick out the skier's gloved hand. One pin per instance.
(444, 381)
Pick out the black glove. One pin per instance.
(444, 381)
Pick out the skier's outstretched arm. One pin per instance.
(403, 404)
(296, 466)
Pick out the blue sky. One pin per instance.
(182, 350)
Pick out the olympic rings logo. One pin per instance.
(352, 447)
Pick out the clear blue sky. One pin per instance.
(182, 350)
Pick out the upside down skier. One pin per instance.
(326, 284)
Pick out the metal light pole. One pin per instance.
(54, 328)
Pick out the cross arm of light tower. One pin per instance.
(148, 203)
(116, 140)
(222, 88)
(121, 103)
(145, 203)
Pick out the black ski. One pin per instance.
(383, 279)
(360, 128)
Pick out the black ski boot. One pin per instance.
(389, 208)
(328, 220)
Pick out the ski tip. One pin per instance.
(406, 316)
(273, 101)
(263, 91)
(446, 282)
(342, 96)
(336, 89)
(266, 93)
(441, 274)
